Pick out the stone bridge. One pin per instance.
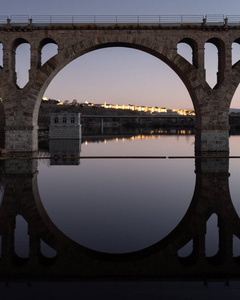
(21, 105)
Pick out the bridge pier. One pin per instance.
(23, 139)
(211, 141)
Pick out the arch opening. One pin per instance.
(22, 66)
(97, 73)
(211, 64)
(48, 48)
(46, 250)
(236, 246)
(119, 69)
(21, 238)
(214, 62)
(188, 48)
(212, 236)
(235, 108)
(185, 51)
(235, 51)
(186, 250)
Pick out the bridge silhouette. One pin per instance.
(156, 35)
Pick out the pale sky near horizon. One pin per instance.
(121, 75)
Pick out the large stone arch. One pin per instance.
(43, 76)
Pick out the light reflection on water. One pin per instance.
(120, 206)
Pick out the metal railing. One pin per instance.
(3, 19)
(215, 19)
(48, 20)
(233, 19)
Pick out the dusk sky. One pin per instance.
(120, 75)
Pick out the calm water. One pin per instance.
(122, 206)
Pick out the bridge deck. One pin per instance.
(195, 21)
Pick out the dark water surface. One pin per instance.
(177, 216)
(120, 205)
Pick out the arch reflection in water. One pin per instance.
(21, 239)
(118, 206)
(211, 196)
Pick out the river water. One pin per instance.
(127, 206)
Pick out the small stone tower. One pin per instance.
(65, 138)
(65, 126)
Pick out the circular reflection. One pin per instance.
(120, 206)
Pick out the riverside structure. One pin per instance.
(156, 35)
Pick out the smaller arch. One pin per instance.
(56, 120)
(46, 41)
(212, 236)
(236, 246)
(21, 61)
(47, 49)
(46, 250)
(17, 42)
(64, 120)
(193, 57)
(186, 250)
(21, 237)
(235, 52)
(220, 59)
(72, 120)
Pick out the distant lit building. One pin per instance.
(151, 110)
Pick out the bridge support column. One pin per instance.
(21, 139)
(211, 141)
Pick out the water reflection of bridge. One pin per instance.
(159, 261)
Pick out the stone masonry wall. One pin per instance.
(65, 126)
